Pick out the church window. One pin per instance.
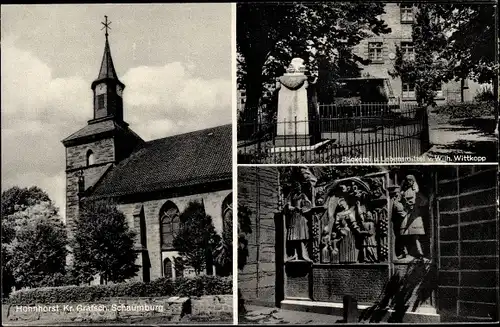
(227, 212)
(170, 223)
(100, 101)
(90, 158)
(167, 268)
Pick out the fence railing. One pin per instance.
(336, 134)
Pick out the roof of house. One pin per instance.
(182, 160)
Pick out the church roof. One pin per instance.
(177, 161)
(92, 129)
(107, 67)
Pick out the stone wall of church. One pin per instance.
(258, 191)
(213, 207)
(468, 242)
(76, 159)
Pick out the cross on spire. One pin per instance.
(106, 25)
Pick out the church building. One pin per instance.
(152, 181)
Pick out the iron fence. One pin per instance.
(338, 134)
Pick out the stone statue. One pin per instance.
(408, 221)
(369, 240)
(346, 244)
(326, 246)
(345, 226)
(297, 234)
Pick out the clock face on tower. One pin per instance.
(100, 89)
(119, 90)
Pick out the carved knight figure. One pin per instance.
(297, 234)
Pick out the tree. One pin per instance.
(31, 225)
(223, 253)
(471, 40)
(426, 69)
(451, 41)
(17, 199)
(323, 34)
(37, 253)
(103, 244)
(196, 239)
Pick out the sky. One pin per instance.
(175, 60)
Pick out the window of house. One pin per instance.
(408, 90)
(375, 51)
(406, 13)
(408, 50)
(90, 158)
(439, 91)
(170, 223)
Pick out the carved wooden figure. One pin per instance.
(297, 234)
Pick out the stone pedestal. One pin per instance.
(293, 115)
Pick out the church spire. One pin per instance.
(107, 70)
(107, 87)
(107, 67)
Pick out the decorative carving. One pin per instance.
(354, 227)
(347, 219)
(408, 223)
(296, 66)
(297, 234)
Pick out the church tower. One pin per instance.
(106, 140)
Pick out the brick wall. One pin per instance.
(258, 190)
(468, 242)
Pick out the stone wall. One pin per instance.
(172, 308)
(258, 191)
(76, 159)
(213, 207)
(211, 304)
(468, 242)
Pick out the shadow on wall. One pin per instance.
(402, 292)
(244, 228)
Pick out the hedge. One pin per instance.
(466, 109)
(197, 286)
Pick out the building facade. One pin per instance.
(152, 181)
(381, 51)
(360, 240)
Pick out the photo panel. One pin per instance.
(367, 244)
(377, 82)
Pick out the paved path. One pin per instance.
(266, 315)
(462, 136)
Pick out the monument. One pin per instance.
(347, 236)
(293, 116)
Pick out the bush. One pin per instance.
(467, 109)
(484, 94)
(200, 285)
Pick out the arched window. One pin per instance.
(169, 222)
(227, 212)
(90, 158)
(167, 268)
